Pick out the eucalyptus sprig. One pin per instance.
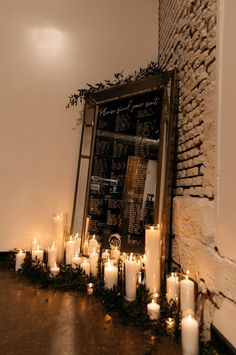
(82, 94)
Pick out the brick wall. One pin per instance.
(187, 41)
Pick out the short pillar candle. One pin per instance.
(76, 261)
(93, 244)
(70, 249)
(54, 270)
(130, 279)
(153, 310)
(172, 287)
(93, 260)
(190, 336)
(37, 254)
(110, 275)
(20, 257)
(52, 255)
(187, 296)
(85, 266)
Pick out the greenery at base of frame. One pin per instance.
(113, 300)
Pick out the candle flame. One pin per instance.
(94, 236)
(109, 264)
(153, 301)
(38, 247)
(189, 316)
(172, 274)
(187, 273)
(71, 238)
(152, 228)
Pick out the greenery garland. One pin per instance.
(113, 300)
(119, 79)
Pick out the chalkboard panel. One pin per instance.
(122, 187)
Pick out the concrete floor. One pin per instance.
(42, 322)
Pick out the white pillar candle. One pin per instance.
(115, 253)
(52, 255)
(54, 270)
(93, 260)
(190, 336)
(76, 261)
(35, 242)
(58, 236)
(138, 266)
(85, 266)
(172, 287)
(187, 297)
(37, 254)
(110, 275)
(20, 257)
(153, 310)
(77, 243)
(93, 244)
(152, 262)
(90, 289)
(130, 279)
(105, 254)
(70, 250)
(85, 247)
(170, 326)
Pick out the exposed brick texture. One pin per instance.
(187, 42)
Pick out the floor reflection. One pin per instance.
(42, 322)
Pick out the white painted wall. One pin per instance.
(48, 50)
(226, 196)
(224, 318)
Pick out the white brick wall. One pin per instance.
(187, 41)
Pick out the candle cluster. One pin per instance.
(131, 269)
(189, 326)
